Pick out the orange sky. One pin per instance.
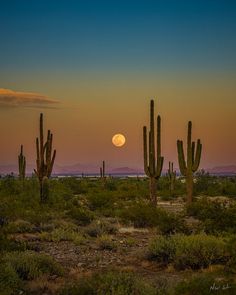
(92, 109)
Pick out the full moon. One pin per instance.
(118, 140)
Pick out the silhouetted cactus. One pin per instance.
(153, 161)
(193, 160)
(172, 177)
(45, 160)
(102, 171)
(21, 164)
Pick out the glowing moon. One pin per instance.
(118, 140)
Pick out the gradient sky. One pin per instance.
(102, 61)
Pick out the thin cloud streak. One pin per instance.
(10, 98)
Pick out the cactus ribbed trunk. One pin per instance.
(189, 185)
(45, 160)
(153, 161)
(189, 167)
(153, 190)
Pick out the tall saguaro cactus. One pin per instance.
(172, 177)
(21, 164)
(190, 166)
(153, 161)
(45, 160)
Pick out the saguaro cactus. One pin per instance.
(21, 164)
(153, 161)
(102, 171)
(172, 177)
(45, 160)
(193, 160)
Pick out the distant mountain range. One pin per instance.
(223, 170)
(78, 169)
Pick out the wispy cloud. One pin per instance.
(10, 98)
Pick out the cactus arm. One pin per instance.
(189, 146)
(159, 167)
(145, 154)
(181, 158)
(197, 159)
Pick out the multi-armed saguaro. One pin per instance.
(172, 177)
(45, 160)
(193, 160)
(153, 161)
(21, 164)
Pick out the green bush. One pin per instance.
(194, 251)
(10, 282)
(105, 242)
(162, 249)
(81, 215)
(100, 200)
(98, 228)
(143, 215)
(204, 284)
(110, 283)
(29, 265)
(216, 216)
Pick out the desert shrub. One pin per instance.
(199, 251)
(231, 246)
(20, 226)
(204, 284)
(76, 185)
(7, 244)
(143, 215)
(216, 216)
(162, 249)
(82, 216)
(10, 283)
(98, 228)
(110, 283)
(194, 251)
(105, 242)
(100, 200)
(29, 265)
(63, 234)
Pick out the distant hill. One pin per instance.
(223, 170)
(125, 170)
(79, 168)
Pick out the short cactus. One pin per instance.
(21, 164)
(172, 177)
(193, 161)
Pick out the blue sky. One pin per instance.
(106, 35)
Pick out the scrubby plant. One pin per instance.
(98, 228)
(110, 283)
(153, 161)
(189, 165)
(216, 216)
(63, 234)
(105, 242)
(194, 251)
(205, 284)
(29, 265)
(143, 215)
(82, 216)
